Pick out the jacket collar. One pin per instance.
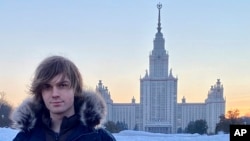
(90, 106)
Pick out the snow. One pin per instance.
(7, 134)
(145, 136)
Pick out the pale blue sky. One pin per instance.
(111, 41)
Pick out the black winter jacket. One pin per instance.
(86, 125)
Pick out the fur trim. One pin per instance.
(24, 117)
(93, 109)
(90, 106)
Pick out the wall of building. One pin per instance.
(158, 110)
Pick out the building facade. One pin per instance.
(158, 90)
(215, 105)
(158, 110)
(120, 112)
(210, 110)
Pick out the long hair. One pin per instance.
(49, 68)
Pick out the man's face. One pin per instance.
(58, 96)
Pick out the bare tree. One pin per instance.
(2, 98)
(5, 110)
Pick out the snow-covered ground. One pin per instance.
(7, 134)
(145, 136)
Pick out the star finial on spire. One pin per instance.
(159, 6)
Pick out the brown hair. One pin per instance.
(49, 68)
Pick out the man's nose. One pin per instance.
(55, 92)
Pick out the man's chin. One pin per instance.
(57, 111)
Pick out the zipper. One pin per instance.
(56, 136)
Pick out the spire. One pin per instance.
(146, 75)
(159, 6)
(133, 100)
(171, 74)
(183, 100)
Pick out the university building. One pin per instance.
(158, 110)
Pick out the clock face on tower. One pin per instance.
(158, 56)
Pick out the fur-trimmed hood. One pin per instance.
(90, 106)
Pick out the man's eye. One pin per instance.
(46, 86)
(64, 85)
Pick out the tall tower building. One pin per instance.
(158, 110)
(104, 92)
(215, 105)
(158, 89)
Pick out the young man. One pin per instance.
(59, 109)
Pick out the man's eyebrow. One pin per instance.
(64, 81)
